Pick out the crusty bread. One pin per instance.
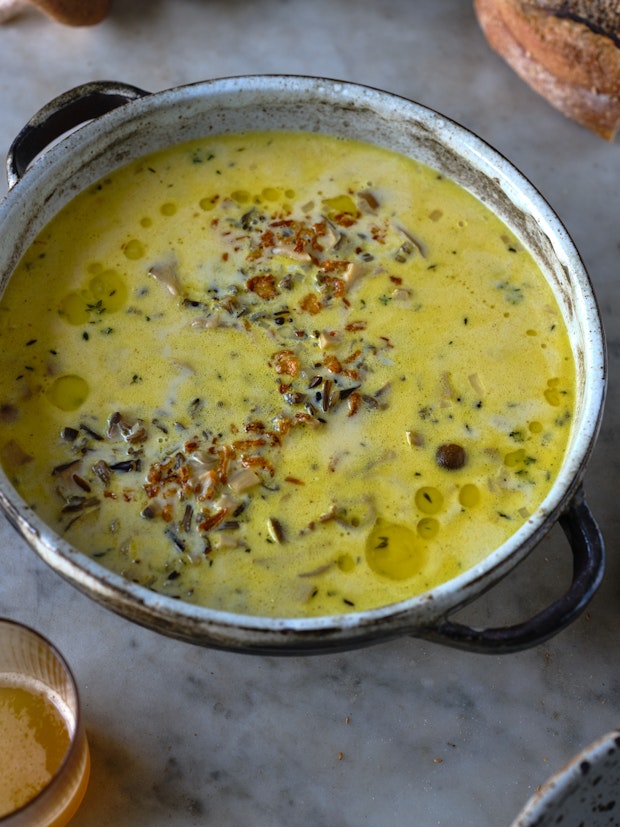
(567, 50)
(74, 12)
(69, 12)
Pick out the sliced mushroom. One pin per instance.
(166, 273)
(131, 430)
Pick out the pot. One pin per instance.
(93, 129)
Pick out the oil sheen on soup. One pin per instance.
(282, 374)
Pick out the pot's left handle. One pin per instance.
(61, 115)
(588, 549)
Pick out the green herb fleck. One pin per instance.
(512, 293)
(97, 307)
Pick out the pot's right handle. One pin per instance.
(588, 549)
(61, 115)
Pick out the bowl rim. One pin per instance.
(539, 810)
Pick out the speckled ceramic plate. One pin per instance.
(585, 793)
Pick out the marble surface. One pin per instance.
(405, 732)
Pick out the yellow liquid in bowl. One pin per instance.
(282, 374)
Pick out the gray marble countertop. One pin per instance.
(405, 732)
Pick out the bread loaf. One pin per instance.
(69, 12)
(566, 50)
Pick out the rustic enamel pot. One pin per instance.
(91, 130)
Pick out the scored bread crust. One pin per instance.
(572, 61)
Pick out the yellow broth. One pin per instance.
(282, 374)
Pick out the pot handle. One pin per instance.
(588, 549)
(61, 115)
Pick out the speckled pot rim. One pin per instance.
(152, 121)
(580, 790)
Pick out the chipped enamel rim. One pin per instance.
(157, 120)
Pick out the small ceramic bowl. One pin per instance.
(585, 793)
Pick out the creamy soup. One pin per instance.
(282, 374)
